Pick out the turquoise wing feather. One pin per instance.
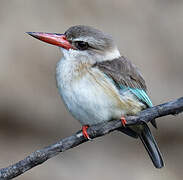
(139, 93)
(142, 96)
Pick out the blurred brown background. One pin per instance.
(33, 116)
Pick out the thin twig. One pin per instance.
(40, 156)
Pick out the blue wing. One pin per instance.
(139, 93)
(141, 96)
(127, 78)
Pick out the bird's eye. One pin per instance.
(81, 45)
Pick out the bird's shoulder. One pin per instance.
(123, 72)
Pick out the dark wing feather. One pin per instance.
(123, 72)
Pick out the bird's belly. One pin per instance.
(91, 97)
(89, 103)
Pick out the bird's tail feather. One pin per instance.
(151, 146)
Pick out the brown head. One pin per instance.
(82, 41)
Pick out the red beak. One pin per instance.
(52, 38)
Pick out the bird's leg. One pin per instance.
(123, 121)
(84, 130)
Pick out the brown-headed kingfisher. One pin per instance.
(97, 84)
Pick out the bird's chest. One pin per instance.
(87, 94)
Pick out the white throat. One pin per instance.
(87, 57)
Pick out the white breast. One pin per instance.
(84, 97)
(89, 95)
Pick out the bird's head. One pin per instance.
(82, 43)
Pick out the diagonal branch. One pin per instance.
(40, 156)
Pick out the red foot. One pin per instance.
(85, 134)
(123, 121)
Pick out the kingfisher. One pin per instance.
(97, 84)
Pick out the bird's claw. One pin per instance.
(123, 121)
(85, 134)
